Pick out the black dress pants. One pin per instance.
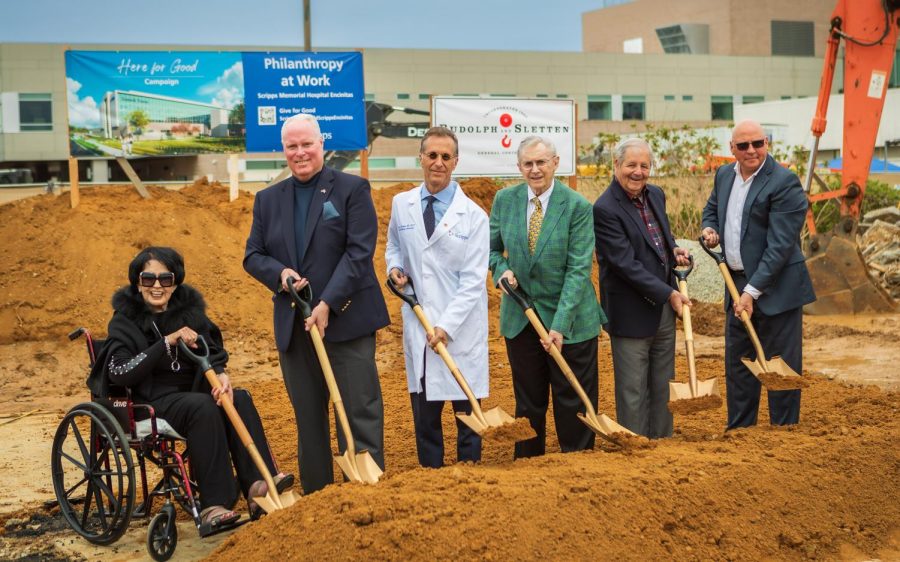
(536, 376)
(781, 334)
(211, 439)
(353, 363)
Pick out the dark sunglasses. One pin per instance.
(742, 146)
(435, 155)
(166, 279)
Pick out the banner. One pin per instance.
(490, 130)
(327, 85)
(152, 103)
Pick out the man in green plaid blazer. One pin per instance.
(542, 240)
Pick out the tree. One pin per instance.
(236, 115)
(138, 119)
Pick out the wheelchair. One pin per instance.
(93, 468)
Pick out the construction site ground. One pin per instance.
(825, 489)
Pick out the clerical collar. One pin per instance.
(313, 181)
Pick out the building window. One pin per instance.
(752, 99)
(424, 96)
(669, 98)
(632, 108)
(793, 38)
(722, 108)
(402, 96)
(785, 97)
(543, 96)
(600, 107)
(35, 112)
(687, 98)
(562, 95)
(370, 97)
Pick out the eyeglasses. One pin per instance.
(535, 164)
(166, 279)
(435, 155)
(742, 146)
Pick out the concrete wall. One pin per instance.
(736, 27)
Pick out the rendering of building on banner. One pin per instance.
(167, 117)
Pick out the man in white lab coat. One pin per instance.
(438, 238)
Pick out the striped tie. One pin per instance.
(534, 225)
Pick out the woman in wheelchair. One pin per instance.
(151, 315)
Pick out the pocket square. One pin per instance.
(329, 212)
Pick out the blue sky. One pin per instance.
(518, 25)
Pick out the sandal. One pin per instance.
(217, 518)
(283, 482)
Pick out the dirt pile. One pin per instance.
(825, 489)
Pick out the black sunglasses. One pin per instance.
(742, 146)
(166, 279)
(435, 155)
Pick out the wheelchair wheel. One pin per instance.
(93, 473)
(162, 534)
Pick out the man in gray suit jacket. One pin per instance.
(756, 210)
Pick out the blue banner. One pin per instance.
(327, 85)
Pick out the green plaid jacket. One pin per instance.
(558, 276)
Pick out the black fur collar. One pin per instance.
(186, 308)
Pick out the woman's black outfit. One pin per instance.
(135, 356)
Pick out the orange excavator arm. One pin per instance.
(869, 29)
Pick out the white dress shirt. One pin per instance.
(731, 233)
(544, 198)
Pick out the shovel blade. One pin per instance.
(682, 390)
(603, 425)
(494, 418)
(287, 499)
(780, 376)
(360, 467)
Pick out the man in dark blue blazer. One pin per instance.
(756, 210)
(636, 253)
(322, 222)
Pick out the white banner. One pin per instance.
(490, 130)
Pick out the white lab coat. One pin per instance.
(448, 272)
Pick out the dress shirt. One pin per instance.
(544, 198)
(734, 213)
(442, 200)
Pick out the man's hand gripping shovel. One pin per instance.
(601, 424)
(493, 423)
(775, 374)
(695, 395)
(358, 467)
(272, 501)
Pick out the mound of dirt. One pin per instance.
(825, 489)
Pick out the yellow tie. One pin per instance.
(534, 225)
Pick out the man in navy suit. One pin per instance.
(636, 253)
(756, 210)
(319, 227)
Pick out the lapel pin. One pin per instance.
(323, 191)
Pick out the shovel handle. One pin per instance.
(732, 290)
(682, 274)
(688, 337)
(303, 303)
(522, 299)
(202, 359)
(408, 298)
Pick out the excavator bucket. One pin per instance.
(841, 279)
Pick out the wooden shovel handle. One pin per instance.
(688, 338)
(245, 437)
(333, 391)
(560, 360)
(732, 290)
(441, 350)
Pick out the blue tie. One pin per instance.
(428, 215)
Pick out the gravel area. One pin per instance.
(705, 283)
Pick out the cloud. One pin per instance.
(82, 112)
(228, 89)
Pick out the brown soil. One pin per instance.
(693, 405)
(824, 489)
